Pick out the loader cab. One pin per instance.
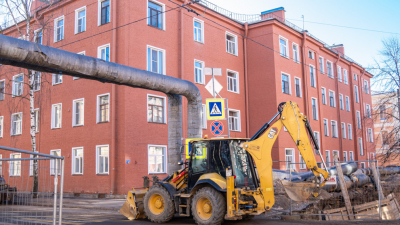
(215, 156)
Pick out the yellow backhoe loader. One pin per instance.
(230, 178)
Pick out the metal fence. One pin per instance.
(20, 202)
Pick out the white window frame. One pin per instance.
(101, 48)
(73, 161)
(331, 75)
(204, 117)
(52, 163)
(366, 89)
(35, 35)
(77, 11)
(316, 107)
(295, 93)
(165, 154)
(368, 111)
(164, 27)
(362, 165)
(287, 46)
(236, 43)
(237, 81)
(315, 76)
(339, 73)
(351, 156)
(347, 103)
(13, 164)
(79, 53)
(37, 119)
(1, 128)
(293, 166)
(13, 85)
(345, 159)
(12, 124)
(343, 127)
(98, 172)
(55, 28)
(239, 121)
(98, 108)
(34, 80)
(341, 101)
(297, 53)
(202, 71)
(336, 134)
(328, 155)
(333, 154)
(324, 102)
(316, 133)
(302, 164)
(3, 94)
(312, 54)
(54, 80)
(165, 108)
(1, 165)
(334, 98)
(345, 77)
(53, 125)
(99, 12)
(350, 131)
(164, 53)
(357, 96)
(321, 65)
(74, 124)
(360, 146)
(202, 29)
(326, 131)
(358, 118)
(355, 76)
(370, 135)
(290, 83)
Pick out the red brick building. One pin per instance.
(111, 135)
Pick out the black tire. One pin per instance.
(156, 213)
(213, 198)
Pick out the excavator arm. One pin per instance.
(261, 145)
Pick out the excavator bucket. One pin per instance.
(133, 206)
(299, 191)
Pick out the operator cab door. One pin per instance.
(199, 162)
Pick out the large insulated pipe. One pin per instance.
(347, 168)
(42, 58)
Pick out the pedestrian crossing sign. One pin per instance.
(215, 108)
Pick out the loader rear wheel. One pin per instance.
(208, 206)
(158, 205)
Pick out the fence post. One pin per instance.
(61, 192)
(378, 187)
(55, 191)
(343, 187)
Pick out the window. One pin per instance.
(233, 81)
(296, 56)
(332, 102)
(339, 73)
(36, 81)
(16, 123)
(334, 129)
(78, 112)
(102, 156)
(198, 30)
(204, 117)
(77, 161)
(362, 165)
(328, 157)
(234, 120)
(103, 52)
(80, 53)
(157, 157)
(53, 162)
(314, 108)
(289, 158)
(283, 43)
(385, 138)
(321, 65)
(155, 110)
(59, 29)
(370, 135)
(1, 166)
(57, 79)
(323, 95)
(310, 54)
(344, 130)
(1, 128)
(285, 84)
(382, 112)
(358, 120)
(302, 163)
(345, 156)
(350, 131)
(155, 14)
(104, 12)
(18, 85)
(368, 111)
(36, 119)
(335, 153)
(103, 108)
(155, 60)
(231, 43)
(355, 77)
(297, 84)
(356, 93)
(351, 157)
(341, 103)
(199, 72)
(15, 166)
(316, 136)
(312, 76)
(56, 116)
(326, 129)
(360, 146)
(38, 36)
(347, 104)
(366, 87)
(80, 20)
(2, 89)
(345, 77)
(329, 69)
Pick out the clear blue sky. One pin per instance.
(362, 46)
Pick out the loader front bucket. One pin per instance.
(133, 206)
(299, 191)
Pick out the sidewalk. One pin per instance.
(82, 203)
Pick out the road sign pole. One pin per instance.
(212, 72)
(227, 118)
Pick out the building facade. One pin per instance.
(114, 135)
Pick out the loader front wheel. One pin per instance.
(158, 205)
(208, 206)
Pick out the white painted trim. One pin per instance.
(350, 131)
(73, 160)
(287, 46)
(370, 135)
(98, 108)
(319, 139)
(164, 57)
(339, 73)
(328, 153)
(333, 154)
(165, 159)
(13, 80)
(37, 110)
(345, 154)
(347, 99)
(334, 98)
(333, 72)
(202, 29)
(73, 112)
(236, 43)
(52, 116)
(53, 80)
(323, 71)
(312, 54)
(55, 28)
(165, 107)
(99, 13)
(4, 90)
(316, 108)
(344, 128)
(358, 118)
(34, 35)
(77, 11)
(101, 48)
(203, 77)
(351, 153)
(12, 115)
(327, 127)
(97, 160)
(336, 129)
(239, 121)
(204, 119)
(301, 94)
(315, 76)
(162, 9)
(343, 102)
(345, 77)
(52, 161)
(326, 93)
(298, 52)
(237, 81)
(2, 127)
(294, 158)
(362, 147)
(9, 166)
(290, 83)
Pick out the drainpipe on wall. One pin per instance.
(113, 149)
(354, 114)
(246, 91)
(305, 83)
(338, 104)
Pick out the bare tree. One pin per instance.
(386, 100)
